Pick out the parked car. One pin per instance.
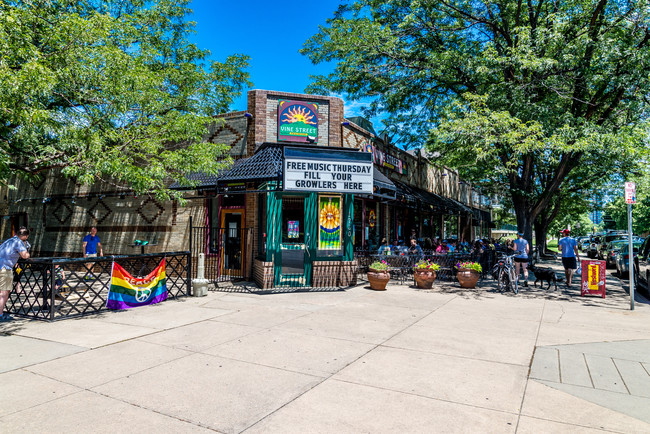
(623, 259)
(583, 244)
(592, 248)
(605, 240)
(642, 263)
(580, 241)
(612, 251)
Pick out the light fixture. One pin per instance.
(248, 115)
(46, 200)
(345, 123)
(73, 201)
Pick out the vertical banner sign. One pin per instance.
(297, 121)
(630, 193)
(329, 223)
(593, 278)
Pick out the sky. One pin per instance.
(271, 33)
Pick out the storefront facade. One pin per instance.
(308, 191)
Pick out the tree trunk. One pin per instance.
(541, 233)
(542, 223)
(524, 218)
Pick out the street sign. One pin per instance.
(630, 193)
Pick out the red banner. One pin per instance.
(593, 278)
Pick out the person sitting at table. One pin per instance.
(399, 248)
(452, 246)
(384, 249)
(415, 249)
(443, 247)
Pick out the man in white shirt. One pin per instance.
(10, 251)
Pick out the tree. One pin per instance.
(515, 95)
(109, 90)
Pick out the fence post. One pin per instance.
(191, 235)
(52, 289)
(188, 284)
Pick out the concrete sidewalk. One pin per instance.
(403, 360)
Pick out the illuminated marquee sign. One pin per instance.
(297, 121)
(327, 171)
(383, 159)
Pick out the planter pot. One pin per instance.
(424, 278)
(378, 279)
(467, 278)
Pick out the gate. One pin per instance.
(226, 251)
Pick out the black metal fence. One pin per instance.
(225, 249)
(58, 288)
(401, 266)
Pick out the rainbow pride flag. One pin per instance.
(127, 291)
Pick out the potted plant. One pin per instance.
(424, 273)
(378, 275)
(468, 273)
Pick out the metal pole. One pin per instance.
(631, 255)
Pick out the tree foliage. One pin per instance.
(109, 90)
(538, 99)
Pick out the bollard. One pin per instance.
(200, 284)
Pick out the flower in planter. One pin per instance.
(379, 266)
(425, 264)
(470, 265)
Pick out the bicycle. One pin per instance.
(504, 273)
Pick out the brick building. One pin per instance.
(308, 189)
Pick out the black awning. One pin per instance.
(458, 207)
(382, 181)
(419, 197)
(485, 216)
(383, 187)
(201, 179)
(405, 195)
(265, 165)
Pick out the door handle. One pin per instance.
(307, 240)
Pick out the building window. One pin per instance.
(293, 220)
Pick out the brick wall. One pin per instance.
(327, 274)
(263, 273)
(230, 129)
(263, 105)
(60, 223)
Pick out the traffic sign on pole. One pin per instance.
(630, 193)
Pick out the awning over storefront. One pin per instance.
(416, 197)
(265, 165)
(383, 186)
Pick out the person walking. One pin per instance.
(91, 245)
(10, 251)
(570, 255)
(520, 245)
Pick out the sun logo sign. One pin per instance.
(297, 121)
